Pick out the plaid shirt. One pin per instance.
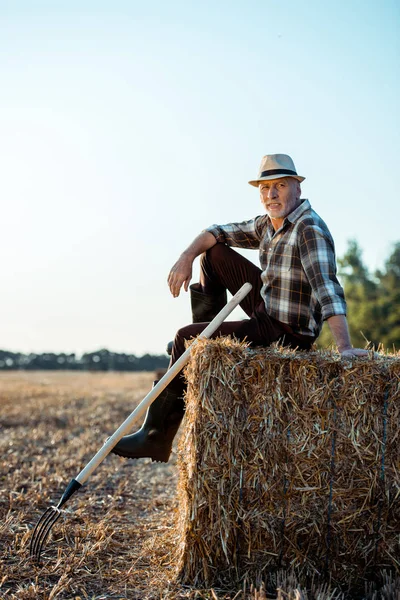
(298, 265)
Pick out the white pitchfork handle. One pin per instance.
(161, 385)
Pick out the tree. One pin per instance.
(389, 300)
(373, 301)
(361, 291)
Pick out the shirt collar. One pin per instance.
(297, 212)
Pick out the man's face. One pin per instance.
(280, 196)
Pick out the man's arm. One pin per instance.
(246, 234)
(318, 260)
(181, 272)
(340, 331)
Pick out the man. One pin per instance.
(295, 290)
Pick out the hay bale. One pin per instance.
(288, 460)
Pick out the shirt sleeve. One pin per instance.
(246, 234)
(318, 259)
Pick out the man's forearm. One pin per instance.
(340, 331)
(200, 244)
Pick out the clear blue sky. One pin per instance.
(127, 127)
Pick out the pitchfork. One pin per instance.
(53, 513)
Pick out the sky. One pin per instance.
(128, 127)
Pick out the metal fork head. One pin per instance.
(42, 531)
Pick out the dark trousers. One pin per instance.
(221, 268)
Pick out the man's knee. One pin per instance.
(216, 254)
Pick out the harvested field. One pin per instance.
(117, 536)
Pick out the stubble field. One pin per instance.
(116, 537)
(106, 543)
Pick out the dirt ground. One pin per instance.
(115, 538)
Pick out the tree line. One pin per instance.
(373, 301)
(101, 360)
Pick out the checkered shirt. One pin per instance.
(298, 264)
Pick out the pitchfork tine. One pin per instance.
(42, 530)
(48, 520)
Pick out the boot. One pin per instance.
(154, 439)
(204, 307)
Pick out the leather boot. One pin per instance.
(204, 307)
(154, 439)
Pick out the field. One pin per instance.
(116, 536)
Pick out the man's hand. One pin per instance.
(180, 274)
(350, 352)
(340, 332)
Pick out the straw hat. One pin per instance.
(274, 166)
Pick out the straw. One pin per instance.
(289, 460)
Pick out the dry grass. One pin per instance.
(117, 537)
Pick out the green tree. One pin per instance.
(373, 301)
(362, 292)
(388, 301)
